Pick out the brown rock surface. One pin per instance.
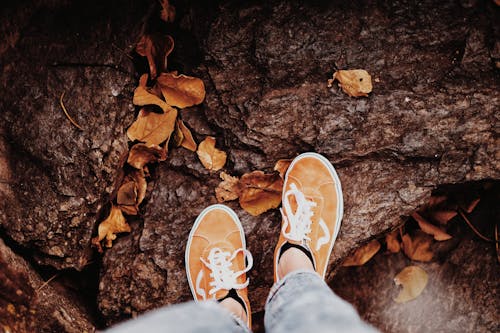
(431, 119)
(27, 304)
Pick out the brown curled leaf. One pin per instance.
(115, 223)
(442, 216)
(155, 47)
(417, 247)
(392, 242)
(181, 90)
(188, 140)
(132, 192)
(141, 154)
(228, 189)
(151, 127)
(354, 82)
(282, 166)
(414, 280)
(212, 158)
(177, 135)
(260, 192)
(145, 96)
(362, 254)
(429, 228)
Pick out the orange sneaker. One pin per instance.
(217, 259)
(312, 209)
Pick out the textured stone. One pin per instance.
(27, 304)
(430, 119)
(60, 176)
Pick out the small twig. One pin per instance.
(47, 282)
(66, 112)
(479, 234)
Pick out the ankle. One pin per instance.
(234, 307)
(292, 260)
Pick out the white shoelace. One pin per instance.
(300, 221)
(223, 277)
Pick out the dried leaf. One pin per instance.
(363, 254)
(127, 194)
(114, 224)
(442, 216)
(177, 135)
(142, 154)
(392, 242)
(470, 207)
(155, 47)
(132, 192)
(181, 90)
(228, 189)
(167, 11)
(260, 192)
(139, 178)
(282, 166)
(429, 228)
(437, 200)
(212, 158)
(418, 246)
(188, 140)
(143, 96)
(414, 280)
(354, 82)
(151, 127)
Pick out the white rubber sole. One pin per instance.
(197, 222)
(340, 206)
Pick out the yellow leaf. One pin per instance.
(142, 154)
(414, 280)
(188, 140)
(260, 192)
(114, 224)
(429, 228)
(418, 246)
(363, 254)
(143, 96)
(181, 90)
(354, 82)
(212, 158)
(228, 189)
(151, 127)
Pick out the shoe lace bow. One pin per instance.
(300, 221)
(219, 263)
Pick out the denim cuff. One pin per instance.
(277, 286)
(216, 305)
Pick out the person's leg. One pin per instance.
(300, 300)
(216, 264)
(191, 317)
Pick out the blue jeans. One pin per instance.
(300, 302)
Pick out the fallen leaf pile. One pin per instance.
(160, 94)
(418, 239)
